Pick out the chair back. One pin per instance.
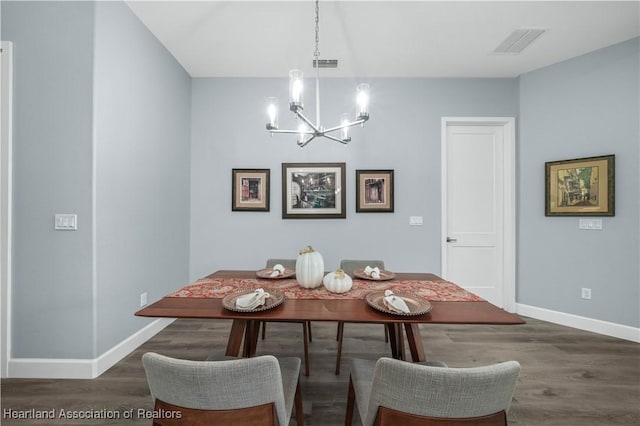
(349, 265)
(389, 417)
(216, 385)
(287, 263)
(173, 415)
(441, 392)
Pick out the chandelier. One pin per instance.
(307, 130)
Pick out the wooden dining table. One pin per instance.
(245, 325)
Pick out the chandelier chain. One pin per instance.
(316, 53)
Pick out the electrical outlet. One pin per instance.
(586, 293)
(143, 299)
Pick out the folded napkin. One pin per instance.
(372, 272)
(278, 270)
(252, 300)
(395, 303)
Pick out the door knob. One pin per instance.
(451, 240)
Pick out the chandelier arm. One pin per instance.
(333, 138)
(344, 126)
(303, 144)
(295, 132)
(307, 121)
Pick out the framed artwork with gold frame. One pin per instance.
(580, 187)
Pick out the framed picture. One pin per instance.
(250, 190)
(313, 191)
(374, 191)
(580, 187)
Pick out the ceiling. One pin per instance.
(381, 38)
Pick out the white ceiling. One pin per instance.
(381, 38)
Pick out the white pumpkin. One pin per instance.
(337, 282)
(309, 268)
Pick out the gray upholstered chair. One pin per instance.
(306, 325)
(287, 263)
(348, 266)
(391, 392)
(262, 389)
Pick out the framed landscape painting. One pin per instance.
(580, 187)
(250, 190)
(313, 191)
(374, 191)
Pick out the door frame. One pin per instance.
(6, 120)
(509, 210)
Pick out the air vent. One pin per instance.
(326, 63)
(519, 40)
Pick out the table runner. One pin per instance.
(437, 291)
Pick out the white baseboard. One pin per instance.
(582, 323)
(124, 348)
(43, 368)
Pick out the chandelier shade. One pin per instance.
(308, 130)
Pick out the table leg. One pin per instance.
(339, 350)
(246, 346)
(392, 339)
(400, 344)
(252, 331)
(396, 340)
(235, 337)
(415, 342)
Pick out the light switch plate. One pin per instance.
(415, 220)
(66, 222)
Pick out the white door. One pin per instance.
(6, 68)
(478, 247)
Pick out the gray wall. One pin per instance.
(102, 116)
(142, 120)
(587, 106)
(52, 270)
(403, 134)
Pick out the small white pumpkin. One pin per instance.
(309, 268)
(337, 281)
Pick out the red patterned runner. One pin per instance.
(437, 291)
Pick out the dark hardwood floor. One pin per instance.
(569, 377)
